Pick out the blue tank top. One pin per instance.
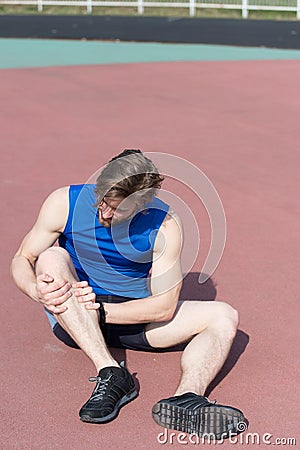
(115, 260)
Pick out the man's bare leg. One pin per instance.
(210, 327)
(81, 324)
(114, 384)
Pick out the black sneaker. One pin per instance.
(195, 414)
(115, 387)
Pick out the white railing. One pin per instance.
(244, 5)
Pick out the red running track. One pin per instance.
(238, 122)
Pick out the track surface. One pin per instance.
(239, 122)
(20, 53)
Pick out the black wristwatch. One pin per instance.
(102, 315)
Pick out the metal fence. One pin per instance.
(244, 5)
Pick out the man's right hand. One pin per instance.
(52, 294)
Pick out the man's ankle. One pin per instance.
(111, 363)
(190, 387)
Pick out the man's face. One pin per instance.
(115, 210)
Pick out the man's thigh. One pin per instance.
(191, 317)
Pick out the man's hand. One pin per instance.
(52, 294)
(84, 294)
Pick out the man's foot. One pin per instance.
(194, 414)
(115, 387)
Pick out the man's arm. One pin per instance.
(50, 223)
(166, 281)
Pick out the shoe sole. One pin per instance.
(215, 422)
(123, 401)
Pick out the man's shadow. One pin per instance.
(193, 290)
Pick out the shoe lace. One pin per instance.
(100, 388)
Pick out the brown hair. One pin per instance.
(127, 173)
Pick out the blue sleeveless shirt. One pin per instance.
(115, 260)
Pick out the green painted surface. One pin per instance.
(21, 53)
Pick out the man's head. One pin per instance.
(125, 185)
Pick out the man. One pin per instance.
(114, 280)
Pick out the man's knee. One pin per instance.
(52, 257)
(226, 314)
(54, 253)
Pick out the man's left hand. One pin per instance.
(84, 294)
